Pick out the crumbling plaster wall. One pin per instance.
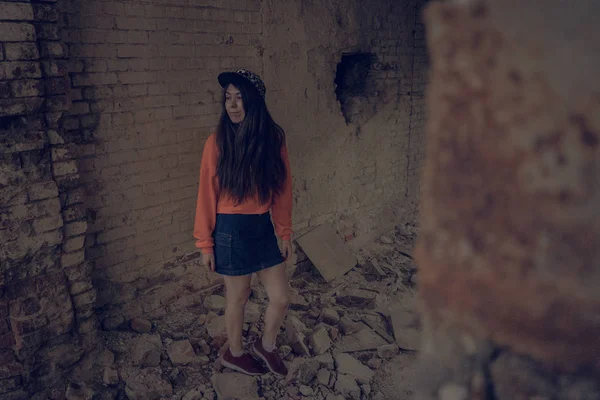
(358, 173)
(510, 227)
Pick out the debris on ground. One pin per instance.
(351, 333)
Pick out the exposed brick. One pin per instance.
(71, 259)
(50, 49)
(73, 244)
(43, 190)
(26, 88)
(19, 69)
(47, 224)
(85, 298)
(16, 11)
(17, 32)
(21, 51)
(75, 228)
(64, 168)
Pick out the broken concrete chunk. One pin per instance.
(216, 327)
(140, 325)
(150, 386)
(358, 298)
(323, 376)
(306, 371)
(107, 358)
(295, 330)
(364, 339)
(298, 302)
(146, 351)
(406, 327)
(366, 390)
(325, 361)
(214, 302)
(306, 390)
(110, 376)
(374, 363)
(330, 316)
(235, 386)
(372, 271)
(285, 350)
(334, 333)
(320, 341)
(194, 394)
(210, 395)
(181, 353)
(314, 313)
(347, 326)
(325, 249)
(347, 386)
(387, 351)
(346, 364)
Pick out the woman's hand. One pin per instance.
(286, 249)
(208, 260)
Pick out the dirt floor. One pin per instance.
(353, 338)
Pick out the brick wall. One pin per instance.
(144, 99)
(46, 296)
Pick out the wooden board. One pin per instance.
(327, 252)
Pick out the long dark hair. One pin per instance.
(250, 159)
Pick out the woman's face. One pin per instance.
(234, 104)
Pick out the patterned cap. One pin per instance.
(226, 78)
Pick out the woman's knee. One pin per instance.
(237, 298)
(281, 298)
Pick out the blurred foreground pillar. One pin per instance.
(509, 247)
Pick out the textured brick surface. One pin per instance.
(146, 81)
(37, 308)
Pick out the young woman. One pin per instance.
(244, 178)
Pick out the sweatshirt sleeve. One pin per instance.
(282, 204)
(206, 206)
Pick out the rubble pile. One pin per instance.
(341, 339)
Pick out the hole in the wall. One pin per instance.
(351, 80)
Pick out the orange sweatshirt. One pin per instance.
(210, 203)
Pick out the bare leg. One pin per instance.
(237, 291)
(276, 284)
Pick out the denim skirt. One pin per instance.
(245, 243)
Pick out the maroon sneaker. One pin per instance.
(270, 358)
(245, 364)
